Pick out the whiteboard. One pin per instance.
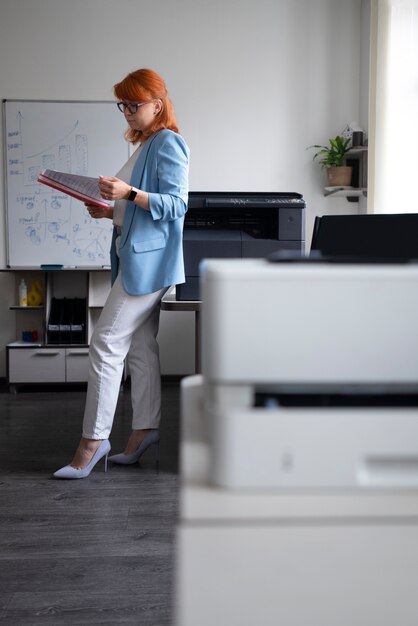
(44, 226)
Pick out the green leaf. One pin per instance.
(333, 154)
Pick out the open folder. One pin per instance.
(83, 188)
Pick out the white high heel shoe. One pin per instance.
(73, 472)
(151, 438)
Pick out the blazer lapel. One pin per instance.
(136, 181)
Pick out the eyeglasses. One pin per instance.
(132, 106)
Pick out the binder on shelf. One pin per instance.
(67, 321)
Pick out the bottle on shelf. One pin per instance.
(35, 294)
(23, 294)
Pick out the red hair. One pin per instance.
(141, 86)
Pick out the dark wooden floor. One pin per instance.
(92, 551)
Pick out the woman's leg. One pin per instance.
(144, 368)
(122, 315)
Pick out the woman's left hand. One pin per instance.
(113, 188)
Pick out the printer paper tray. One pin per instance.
(314, 447)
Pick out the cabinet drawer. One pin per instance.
(77, 365)
(36, 365)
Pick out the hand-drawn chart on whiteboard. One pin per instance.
(45, 226)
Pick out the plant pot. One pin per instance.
(339, 176)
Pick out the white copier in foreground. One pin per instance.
(299, 448)
(307, 368)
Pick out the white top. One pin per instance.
(124, 174)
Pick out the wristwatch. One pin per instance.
(132, 194)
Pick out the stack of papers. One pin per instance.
(81, 187)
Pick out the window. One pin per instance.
(393, 132)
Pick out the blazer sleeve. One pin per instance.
(172, 162)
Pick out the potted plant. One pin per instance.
(332, 158)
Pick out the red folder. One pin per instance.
(83, 188)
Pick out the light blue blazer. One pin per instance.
(151, 244)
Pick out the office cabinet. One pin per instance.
(76, 364)
(36, 365)
(47, 364)
(52, 339)
(176, 333)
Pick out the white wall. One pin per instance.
(253, 82)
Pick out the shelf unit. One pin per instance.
(357, 159)
(63, 357)
(351, 193)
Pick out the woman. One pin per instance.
(150, 194)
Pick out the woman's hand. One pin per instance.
(113, 188)
(97, 211)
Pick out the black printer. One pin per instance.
(238, 225)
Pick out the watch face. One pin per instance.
(132, 195)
